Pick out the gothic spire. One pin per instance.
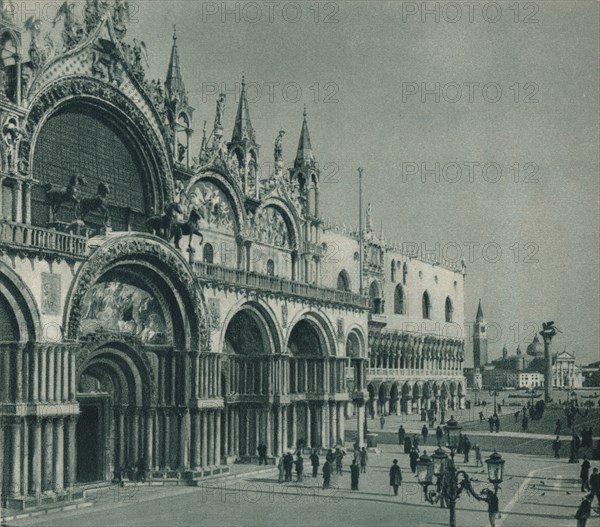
(479, 317)
(174, 87)
(305, 155)
(242, 130)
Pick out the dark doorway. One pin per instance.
(88, 444)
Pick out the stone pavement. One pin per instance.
(537, 492)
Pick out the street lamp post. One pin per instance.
(451, 482)
(494, 393)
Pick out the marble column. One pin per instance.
(308, 426)
(72, 375)
(204, 449)
(325, 425)
(149, 430)
(226, 432)
(360, 423)
(51, 383)
(15, 458)
(284, 428)
(196, 440)
(121, 441)
(47, 453)
(294, 426)
(280, 441)
(341, 422)
(25, 457)
(35, 375)
(217, 437)
(65, 374)
(211, 437)
(59, 454)
(134, 437)
(71, 468)
(43, 374)
(332, 423)
(36, 461)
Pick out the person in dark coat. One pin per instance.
(585, 475)
(424, 433)
(339, 457)
(461, 442)
(326, 474)
(401, 435)
(439, 434)
(364, 458)
(414, 457)
(497, 423)
(595, 485)
(314, 461)
(354, 475)
(395, 477)
(299, 467)
(556, 445)
(382, 421)
(493, 507)
(584, 511)
(330, 456)
(525, 422)
(407, 445)
(415, 442)
(558, 427)
(288, 465)
(491, 423)
(466, 448)
(262, 454)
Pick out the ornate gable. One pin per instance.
(102, 56)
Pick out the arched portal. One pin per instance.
(375, 297)
(115, 429)
(251, 346)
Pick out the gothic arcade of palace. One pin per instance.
(116, 345)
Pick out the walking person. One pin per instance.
(326, 474)
(395, 476)
(415, 442)
(481, 417)
(439, 434)
(314, 461)
(585, 474)
(414, 457)
(401, 435)
(354, 475)
(595, 485)
(288, 465)
(584, 511)
(299, 468)
(382, 421)
(478, 461)
(339, 456)
(556, 445)
(407, 445)
(364, 458)
(262, 453)
(525, 422)
(558, 427)
(491, 423)
(466, 448)
(497, 423)
(424, 433)
(517, 416)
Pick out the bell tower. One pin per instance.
(480, 342)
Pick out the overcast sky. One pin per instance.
(360, 68)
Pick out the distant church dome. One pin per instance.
(536, 348)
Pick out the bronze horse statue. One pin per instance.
(187, 228)
(57, 197)
(163, 224)
(96, 204)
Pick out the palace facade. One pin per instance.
(177, 308)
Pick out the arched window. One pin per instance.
(426, 306)
(404, 273)
(375, 296)
(270, 267)
(208, 254)
(399, 304)
(449, 309)
(393, 271)
(343, 281)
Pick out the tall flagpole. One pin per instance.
(360, 230)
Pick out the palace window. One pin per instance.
(343, 281)
(393, 271)
(208, 254)
(270, 267)
(399, 304)
(449, 309)
(426, 306)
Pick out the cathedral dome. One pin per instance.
(536, 348)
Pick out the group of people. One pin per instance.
(590, 484)
(494, 423)
(135, 473)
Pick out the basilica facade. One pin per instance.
(180, 308)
